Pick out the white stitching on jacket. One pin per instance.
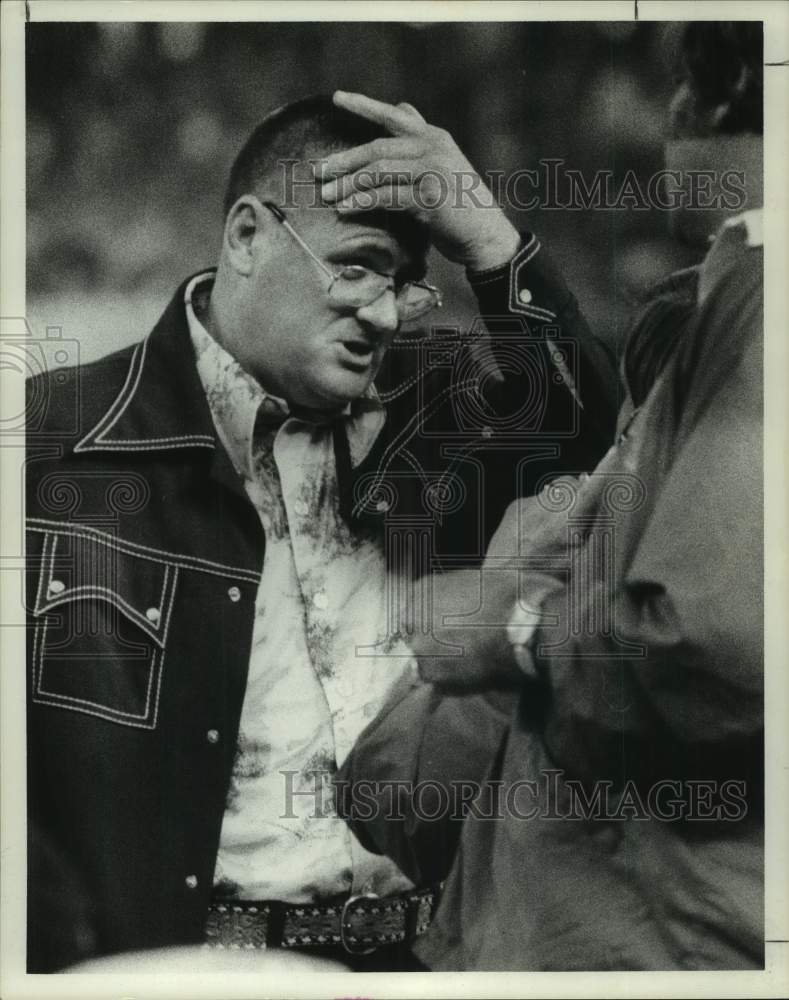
(112, 597)
(415, 465)
(135, 548)
(535, 312)
(44, 697)
(119, 402)
(48, 540)
(107, 713)
(408, 432)
(96, 440)
(404, 386)
(97, 590)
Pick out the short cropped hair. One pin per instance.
(723, 64)
(313, 127)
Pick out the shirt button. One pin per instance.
(56, 586)
(212, 735)
(234, 594)
(320, 600)
(153, 615)
(300, 507)
(382, 506)
(524, 296)
(191, 881)
(487, 433)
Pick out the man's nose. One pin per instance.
(381, 313)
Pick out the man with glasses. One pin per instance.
(216, 615)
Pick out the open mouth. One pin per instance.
(358, 353)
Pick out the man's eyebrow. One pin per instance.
(384, 254)
(365, 243)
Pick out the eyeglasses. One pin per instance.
(356, 286)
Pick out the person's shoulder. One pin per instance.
(724, 344)
(732, 273)
(731, 290)
(662, 319)
(53, 393)
(59, 401)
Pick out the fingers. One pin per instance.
(397, 119)
(393, 197)
(379, 173)
(405, 106)
(348, 160)
(398, 187)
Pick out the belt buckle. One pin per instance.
(351, 948)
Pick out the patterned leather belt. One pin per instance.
(360, 924)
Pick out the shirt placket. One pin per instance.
(308, 476)
(305, 458)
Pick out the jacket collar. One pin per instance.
(162, 403)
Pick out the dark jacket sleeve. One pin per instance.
(539, 337)
(416, 770)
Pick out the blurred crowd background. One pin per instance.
(132, 127)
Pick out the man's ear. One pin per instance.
(242, 225)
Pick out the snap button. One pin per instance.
(191, 881)
(487, 433)
(300, 507)
(382, 506)
(320, 600)
(212, 735)
(153, 615)
(524, 296)
(56, 586)
(234, 594)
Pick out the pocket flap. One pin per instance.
(82, 567)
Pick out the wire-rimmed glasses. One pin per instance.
(356, 286)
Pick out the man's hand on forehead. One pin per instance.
(419, 170)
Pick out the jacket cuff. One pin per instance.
(529, 285)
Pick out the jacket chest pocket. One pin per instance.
(102, 617)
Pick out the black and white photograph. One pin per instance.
(394, 509)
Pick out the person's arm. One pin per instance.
(675, 685)
(689, 696)
(416, 770)
(527, 301)
(551, 364)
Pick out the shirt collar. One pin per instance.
(740, 233)
(236, 399)
(753, 220)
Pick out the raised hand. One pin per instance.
(420, 170)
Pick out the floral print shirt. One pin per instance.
(321, 662)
